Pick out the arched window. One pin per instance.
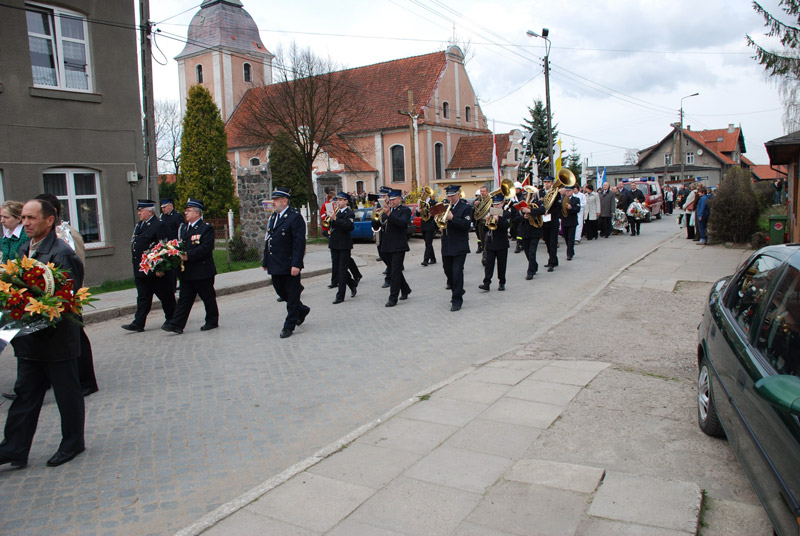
(468, 114)
(398, 164)
(254, 162)
(438, 153)
(516, 155)
(248, 72)
(199, 72)
(446, 110)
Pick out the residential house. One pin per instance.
(70, 119)
(471, 165)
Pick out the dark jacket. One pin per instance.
(608, 202)
(61, 342)
(339, 236)
(198, 243)
(524, 228)
(145, 235)
(285, 246)
(498, 239)
(396, 235)
(172, 222)
(455, 239)
(555, 210)
(571, 219)
(624, 199)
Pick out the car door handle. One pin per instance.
(740, 379)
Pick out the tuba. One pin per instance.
(531, 198)
(508, 191)
(564, 179)
(425, 206)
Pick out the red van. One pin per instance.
(653, 198)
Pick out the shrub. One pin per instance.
(240, 250)
(734, 208)
(764, 191)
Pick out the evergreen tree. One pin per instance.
(538, 125)
(287, 166)
(573, 162)
(734, 208)
(205, 172)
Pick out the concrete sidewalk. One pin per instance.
(458, 458)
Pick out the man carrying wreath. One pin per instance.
(147, 233)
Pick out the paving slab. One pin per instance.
(348, 527)
(472, 391)
(566, 476)
(468, 529)
(332, 501)
(445, 411)
(462, 469)
(419, 437)
(648, 501)
(605, 527)
(505, 376)
(724, 518)
(365, 465)
(494, 437)
(559, 394)
(570, 376)
(515, 411)
(579, 364)
(247, 523)
(522, 364)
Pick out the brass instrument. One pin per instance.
(508, 191)
(442, 209)
(565, 179)
(565, 206)
(424, 205)
(491, 223)
(531, 198)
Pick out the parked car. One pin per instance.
(748, 355)
(363, 223)
(653, 198)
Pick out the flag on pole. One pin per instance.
(557, 156)
(495, 162)
(601, 177)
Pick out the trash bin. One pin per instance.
(777, 229)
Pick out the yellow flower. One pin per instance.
(36, 307)
(27, 263)
(9, 267)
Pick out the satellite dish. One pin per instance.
(699, 152)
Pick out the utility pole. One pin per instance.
(412, 128)
(680, 149)
(545, 32)
(148, 106)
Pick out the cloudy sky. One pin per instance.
(618, 67)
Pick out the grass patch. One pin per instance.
(425, 397)
(703, 509)
(221, 260)
(112, 285)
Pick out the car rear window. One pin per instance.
(748, 291)
(779, 334)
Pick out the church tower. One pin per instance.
(224, 53)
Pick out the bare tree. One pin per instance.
(311, 101)
(169, 127)
(631, 157)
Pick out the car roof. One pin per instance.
(784, 252)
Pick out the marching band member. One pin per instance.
(340, 243)
(395, 244)
(379, 228)
(480, 226)
(550, 225)
(496, 244)
(428, 229)
(455, 245)
(570, 208)
(530, 234)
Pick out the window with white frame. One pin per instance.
(690, 158)
(58, 40)
(254, 162)
(248, 72)
(79, 193)
(667, 159)
(398, 163)
(446, 110)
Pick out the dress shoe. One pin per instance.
(424, 263)
(455, 307)
(132, 327)
(207, 327)
(404, 296)
(10, 396)
(386, 284)
(172, 329)
(285, 333)
(391, 303)
(501, 287)
(386, 272)
(332, 286)
(448, 287)
(569, 258)
(338, 300)
(89, 390)
(353, 292)
(60, 457)
(528, 277)
(280, 299)
(13, 461)
(431, 262)
(550, 268)
(483, 286)
(302, 317)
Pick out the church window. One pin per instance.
(248, 72)
(398, 163)
(468, 114)
(438, 152)
(254, 162)
(446, 110)
(199, 72)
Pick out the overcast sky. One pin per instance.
(618, 67)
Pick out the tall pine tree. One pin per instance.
(205, 172)
(538, 125)
(573, 162)
(287, 167)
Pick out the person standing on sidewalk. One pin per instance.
(592, 212)
(608, 202)
(340, 243)
(496, 244)
(197, 277)
(284, 250)
(688, 211)
(455, 244)
(147, 233)
(703, 213)
(395, 244)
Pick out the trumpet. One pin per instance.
(441, 211)
(491, 222)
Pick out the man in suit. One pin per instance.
(147, 233)
(550, 225)
(379, 229)
(197, 277)
(495, 244)
(569, 219)
(46, 357)
(395, 244)
(340, 243)
(530, 234)
(172, 220)
(428, 229)
(455, 244)
(284, 250)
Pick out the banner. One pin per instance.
(495, 162)
(557, 156)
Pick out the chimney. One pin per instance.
(730, 127)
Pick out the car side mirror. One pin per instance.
(782, 391)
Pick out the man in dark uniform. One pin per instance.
(428, 229)
(569, 222)
(495, 244)
(340, 243)
(284, 250)
(148, 232)
(395, 244)
(172, 220)
(455, 245)
(550, 225)
(379, 228)
(197, 277)
(46, 357)
(530, 234)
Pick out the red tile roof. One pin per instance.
(699, 139)
(475, 152)
(348, 156)
(765, 172)
(722, 140)
(380, 90)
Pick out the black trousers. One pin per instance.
(355, 273)
(430, 255)
(383, 258)
(341, 267)
(33, 379)
(501, 256)
(635, 225)
(590, 229)
(550, 237)
(454, 271)
(605, 226)
(146, 287)
(190, 289)
(289, 288)
(529, 246)
(569, 238)
(397, 279)
(86, 364)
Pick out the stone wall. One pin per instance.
(253, 187)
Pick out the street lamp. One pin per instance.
(680, 150)
(543, 35)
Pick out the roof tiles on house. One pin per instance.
(475, 152)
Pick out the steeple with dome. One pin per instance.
(224, 53)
